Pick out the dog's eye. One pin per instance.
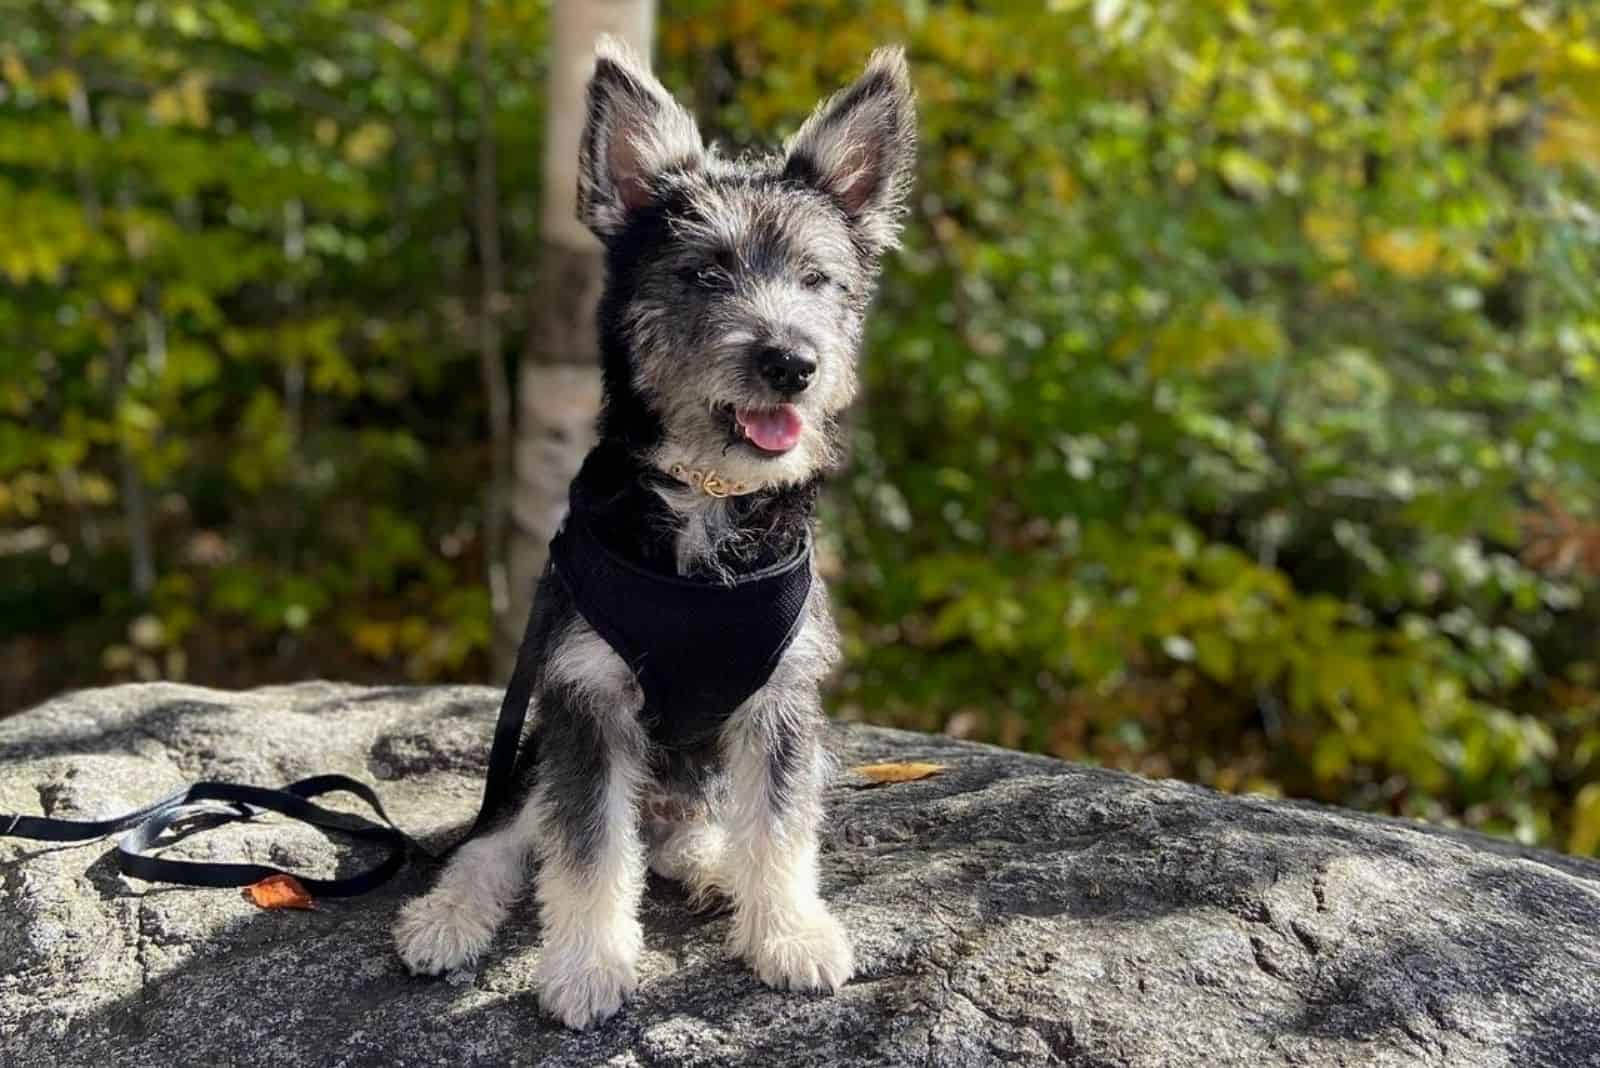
(718, 272)
(709, 276)
(813, 279)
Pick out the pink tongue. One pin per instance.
(773, 429)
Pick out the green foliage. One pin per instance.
(236, 283)
(1233, 411)
(1233, 349)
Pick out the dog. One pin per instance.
(730, 324)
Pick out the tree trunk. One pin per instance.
(135, 508)
(559, 386)
(497, 394)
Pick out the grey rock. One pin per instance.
(1013, 909)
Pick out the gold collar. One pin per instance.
(709, 482)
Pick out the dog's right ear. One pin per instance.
(634, 133)
(860, 148)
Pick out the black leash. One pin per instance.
(205, 805)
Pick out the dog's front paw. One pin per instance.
(436, 933)
(806, 951)
(583, 993)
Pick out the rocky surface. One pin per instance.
(1012, 909)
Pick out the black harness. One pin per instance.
(698, 648)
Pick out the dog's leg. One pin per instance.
(777, 768)
(453, 923)
(592, 862)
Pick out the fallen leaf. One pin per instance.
(279, 892)
(880, 774)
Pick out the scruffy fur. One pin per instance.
(711, 262)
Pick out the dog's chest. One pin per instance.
(699, 649)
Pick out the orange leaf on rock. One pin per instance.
(279, 892)
(881, 774)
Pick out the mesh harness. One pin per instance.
(699, 648)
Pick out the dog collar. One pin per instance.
(710, 483)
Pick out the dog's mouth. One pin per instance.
(773, 430)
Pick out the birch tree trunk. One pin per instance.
(558, 392)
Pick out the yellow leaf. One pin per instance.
(192, 93)
(1584, 839)
(279, 892)
(442, 52)
(11, 66)
(368, 143)
(119, 295)
(1408, 253)
(882, 774)
(1568, 139)
(183, 103)
(1584, 54)
(1330, 232)
(61, 83)
(1472, 120)
(376, 638)
(1063, 188)
(166, 107)
(1248, 174)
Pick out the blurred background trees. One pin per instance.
(1233, 412)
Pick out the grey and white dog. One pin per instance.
(735, 296)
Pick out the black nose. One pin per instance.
(785, 370)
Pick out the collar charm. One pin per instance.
(709, 482)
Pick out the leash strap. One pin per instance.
(500, 779)
(202, 806)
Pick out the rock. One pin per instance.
(1011, 909)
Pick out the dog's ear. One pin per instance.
(860, 147)
(633, 134)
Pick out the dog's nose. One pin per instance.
(785, 370)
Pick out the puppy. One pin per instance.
(680, 634)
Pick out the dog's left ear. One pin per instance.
(634, 133)
(860, 147)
